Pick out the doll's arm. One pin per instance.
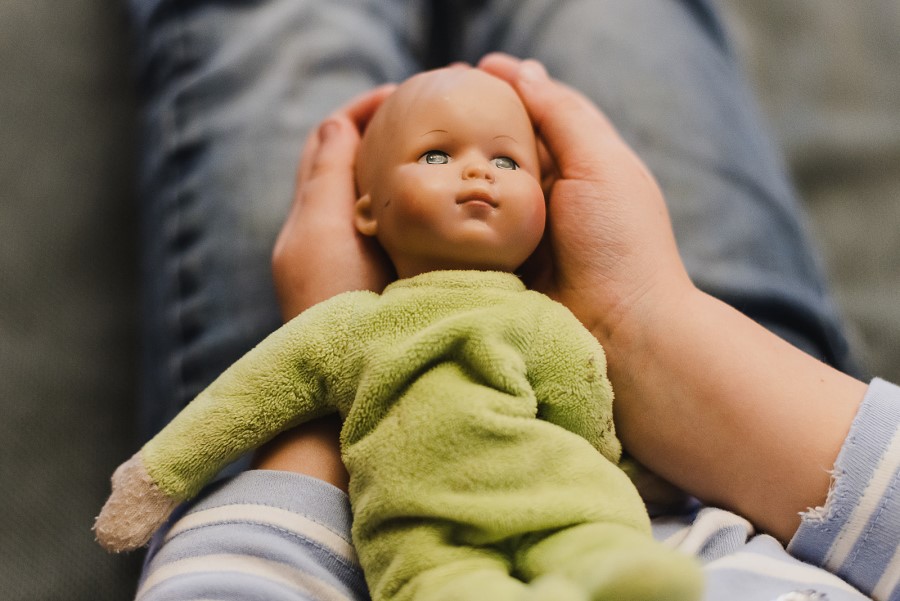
(567, 369)
(287, 379)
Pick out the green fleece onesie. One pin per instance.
(478, 435)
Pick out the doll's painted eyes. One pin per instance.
(435, 157)
(505, 163)
(439, 157)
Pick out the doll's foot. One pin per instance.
(649, 581)
(554, 588)
(612, 561)
(135, 509)
(652, 574)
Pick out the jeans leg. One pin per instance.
(230, 90)
(663, 73)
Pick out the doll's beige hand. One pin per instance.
(135, 509)
(318, 252)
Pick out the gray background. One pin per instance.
(827, 73)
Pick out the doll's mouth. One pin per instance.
(476, 196)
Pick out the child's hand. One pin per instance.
(319, 253)
(610, 252)
(705, 397)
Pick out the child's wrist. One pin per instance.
(636, 329)
(311, 449)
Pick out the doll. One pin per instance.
(477, 415)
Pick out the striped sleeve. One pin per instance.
(856, 534)
(742, 565)
(268, 535)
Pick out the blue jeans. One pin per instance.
(230, 90)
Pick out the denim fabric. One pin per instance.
(231, 88)
(663, 71)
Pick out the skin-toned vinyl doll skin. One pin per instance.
(477, 415)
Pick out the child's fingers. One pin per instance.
(318, 252)
(361, 108)
(549, 172)
(326, 171)
(325, 188)
(501, 65)
(579, 137)
(306, 159)
(335, 152)
(358, 111)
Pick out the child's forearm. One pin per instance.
(728, 411)
(311, 449)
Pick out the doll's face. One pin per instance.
(449, 177)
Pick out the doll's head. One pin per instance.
(448, 175)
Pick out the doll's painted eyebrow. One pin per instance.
(506, 136)
(435, 131)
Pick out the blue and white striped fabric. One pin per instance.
(278, 536)
(266, 535)
(857, 534)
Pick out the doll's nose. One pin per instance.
(477, 169)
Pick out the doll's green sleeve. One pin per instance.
(567, 369)
(296, 374)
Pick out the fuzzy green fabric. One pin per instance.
(478, 434)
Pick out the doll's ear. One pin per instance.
(363, 219)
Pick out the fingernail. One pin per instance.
(327, 130)
(532, 71)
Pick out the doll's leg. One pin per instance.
(609, 561)
(663, 72)
(229, 92)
